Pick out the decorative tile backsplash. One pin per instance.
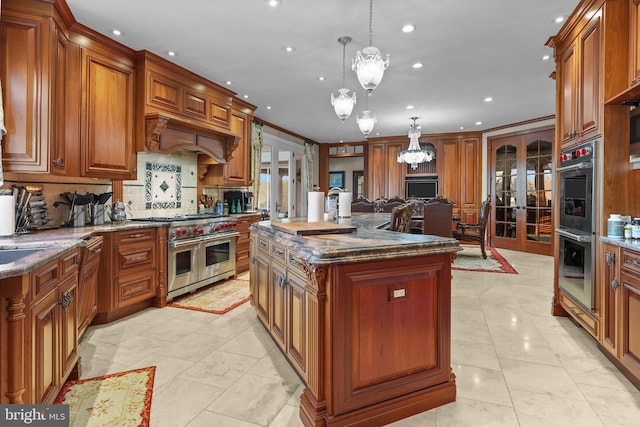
(168, 186)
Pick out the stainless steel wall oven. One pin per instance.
(576, 175)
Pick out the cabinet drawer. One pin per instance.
(91, 251)
(262, 243)
(295, 265)
(131, 258)
(135, 287)
(279, 252)
(589, 322)
(135, 236)
(45, 278)
(69, 263)
(630, 261)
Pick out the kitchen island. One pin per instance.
(364, 317)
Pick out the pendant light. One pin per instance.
(369, 63)
(343, 103)
(414, 154)
(366, 120)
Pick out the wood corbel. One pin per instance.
(155, 126)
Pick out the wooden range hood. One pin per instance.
(166, 135)
(183, 111)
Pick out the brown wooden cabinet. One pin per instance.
(28, 59)
(107, 116)
(385, 175)
(130, 272)
(260, 287)
(634, 40)
(242, 241)
(53, 346)
(88, 283)
(621, 309)
(581, 84)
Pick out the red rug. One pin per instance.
(217, 298)
(470, 259)
(122, 399)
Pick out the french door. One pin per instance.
(521, 183)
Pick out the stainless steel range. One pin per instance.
(201, 251)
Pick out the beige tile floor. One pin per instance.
(515, 364)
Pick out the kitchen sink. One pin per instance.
(10, 255)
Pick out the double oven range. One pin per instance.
(576, 174)
(201, 249)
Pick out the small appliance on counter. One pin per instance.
(247, 199)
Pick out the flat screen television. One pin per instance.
(421, 189)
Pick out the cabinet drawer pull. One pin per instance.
(293, 261)
(136, 236)
(614, 284)
(96, 250)
(59, 162)
(278, 251)
(633, 263)
(609, 257)
(253, 260)
(261, 243)
(66, 300)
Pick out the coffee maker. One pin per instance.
(247, 198)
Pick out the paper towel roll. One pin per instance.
(344, 204)
(315, 206)
(8, 215)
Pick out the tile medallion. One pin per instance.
(163, 186)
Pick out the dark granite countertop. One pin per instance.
(368, 242)
(53, 243)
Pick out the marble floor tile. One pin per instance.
(472, 413)
(541, 409)
(274, 365)
(211, 419)
(219, 369)
(289, 416)
(539, 378)
(179, 401)
(529, 351)
(474, 354)
(172, 330)
(486, 385)
(616, 408)
(250, 342)
(254, 399)
(193, 347)
(596, 371)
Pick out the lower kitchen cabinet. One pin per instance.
(132, 272)
(88, 283)
(242, 241)
(621, 311)
(260, 278)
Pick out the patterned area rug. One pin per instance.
(470, 258)
(122, 399)
(217, 298)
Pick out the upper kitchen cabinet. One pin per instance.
(107, 115)
(581, 84)
(33, 75)
(634, 40)
(180, 110)
(385, 176)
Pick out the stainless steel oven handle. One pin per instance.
(218, 236)
(577, 237)
(577, 166)
(180, 243)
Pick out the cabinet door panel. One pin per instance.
(278, 302)
(395, 171)
(448, 162)
(568, 101)
(377, 167)
(237, 170)
(630, 345)
(68, 337)
(45, 370)
(635, 41)
(590, 80)
(260, 276)
(107, 125)
(297, 321)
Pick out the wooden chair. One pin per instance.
(392, 203)
(476, 232)
(438, 217)
(416, 220)
(378, 204)
(362, 204)
(401, 218)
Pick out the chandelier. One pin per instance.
(369, 64)
(366, 120)
(343, 103)
(414, 154)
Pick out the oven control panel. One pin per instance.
(575, 155)
(186, 231)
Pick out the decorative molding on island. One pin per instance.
(364, 318)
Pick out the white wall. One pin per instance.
(347, 165)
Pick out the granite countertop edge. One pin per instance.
(633, 244)
(54, 242)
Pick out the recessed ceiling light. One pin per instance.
(342, 140)
(377, 133)
(245, 96)
(289, 49)
(321, 78)
(545, 57)
(268, 107)
(229, 82)
(171, 53)
(559, 19)
(409, 107)
(117, 32)
(274, 3)
(488, 99)
(461, 127)
(418, 65)
(408, 28)
(478, 123)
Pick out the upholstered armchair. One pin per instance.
(438, 217)
(401, 218)
(476, 232)
(392, 203)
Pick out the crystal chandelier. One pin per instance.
(366, 120)
(414, 154)
(343, 103)
(369, 63)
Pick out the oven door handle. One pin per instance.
(577, 237)
(190, 242)
(577, 166)
(223, 236)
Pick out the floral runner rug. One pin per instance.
(470, 258)
(218, 298)
(122, 399)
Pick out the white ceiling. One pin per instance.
(471, 49)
